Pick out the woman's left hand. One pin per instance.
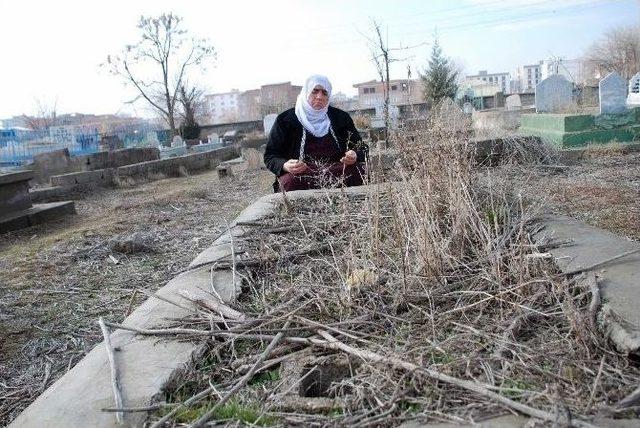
(349, 158)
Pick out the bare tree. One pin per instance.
(381, 58)
(381, 55)
(158, 64)
(617, 50)
(46, 116)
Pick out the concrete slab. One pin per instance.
(619, 280)
(36, 214)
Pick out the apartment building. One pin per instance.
(223, 107)
(527, 77)
(574, 70)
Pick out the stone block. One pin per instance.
(14, 192)
(34, 215)
(554, 94)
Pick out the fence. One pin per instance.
(19, 148)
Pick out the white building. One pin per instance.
(223, 107)
(502, 80)
(527, 77)
(574, 70)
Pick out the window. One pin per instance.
(394, 87)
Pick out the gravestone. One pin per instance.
(467, 108)
(513, 102)
(613, 94)
(633, 100)
(498, 100)
(152, 138)
(177, 141)
(214, 138)
(268, 122)
(553, 94)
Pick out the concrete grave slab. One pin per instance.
(613, 94)
(619, 280)
(37, 214)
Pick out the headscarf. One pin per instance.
(315, 121)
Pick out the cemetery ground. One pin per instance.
(123, 244)
(127, 242)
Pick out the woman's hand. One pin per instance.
(295, 166)
(349, 158)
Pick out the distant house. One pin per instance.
(401, 92)
(502, 80)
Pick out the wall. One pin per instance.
(59, 162)
(145, 170)
(220, 129)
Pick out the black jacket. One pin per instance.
(286, 133)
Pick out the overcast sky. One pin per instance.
(52, 50)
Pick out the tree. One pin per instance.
(617, 50)
(440, 78)
(159, 63)
(46, 116)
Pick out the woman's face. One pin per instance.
(318, 98)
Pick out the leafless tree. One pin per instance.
(159, 63)
(381, 55)
(192, 109)
(46, 116)
(617, 50)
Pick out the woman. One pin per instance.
(314, 145)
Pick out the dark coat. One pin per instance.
(286, 134)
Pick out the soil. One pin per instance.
(124, 243)
(603, 190)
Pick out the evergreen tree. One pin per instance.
(439, 79)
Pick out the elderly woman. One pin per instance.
(314, 144)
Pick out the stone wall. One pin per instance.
(144, 170)
(59, 162)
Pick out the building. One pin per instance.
(81, 135)
(223, 107)
(574, 70)
(277, 97)
(502, 80)
(527, 77)
(249, 105)
(401, 92)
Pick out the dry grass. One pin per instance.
(57, 278)
(435, 279)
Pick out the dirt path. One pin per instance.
(58, 278)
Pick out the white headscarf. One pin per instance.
(315, 121)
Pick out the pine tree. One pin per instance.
(439, 79)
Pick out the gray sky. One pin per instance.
(52, 50)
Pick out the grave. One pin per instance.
(16, 209)
(613, 94)
(633, 100)
(268, 122)
(178, 148)
(568, 130)
(553, 95)
(513, 102)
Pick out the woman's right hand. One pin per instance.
(295, 166)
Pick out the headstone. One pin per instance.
(613, 94)
(268, 122)
(553, 94)
(152, 138)
(633, 100)
(513, 102)
(498, 100)
(177, 141)
(214, 138)
(467, 108)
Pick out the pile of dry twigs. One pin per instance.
(434, 292)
